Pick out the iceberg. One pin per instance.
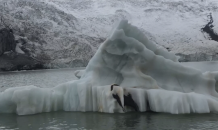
(147, 78)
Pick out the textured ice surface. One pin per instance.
(153, 77)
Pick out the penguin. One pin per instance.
(117, 93)
(123, 99)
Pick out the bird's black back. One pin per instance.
(118, 99)
(128, 101)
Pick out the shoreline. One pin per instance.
(189, 64)
(38, 70)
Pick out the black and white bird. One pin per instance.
(117, 93)
(123, 97)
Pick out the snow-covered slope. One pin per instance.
(66, 33)
(175, 24)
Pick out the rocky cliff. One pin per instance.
(66, 33)
(7, 41)
(9, 58)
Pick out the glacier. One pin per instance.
(152, 76)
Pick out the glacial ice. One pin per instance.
(154, 78)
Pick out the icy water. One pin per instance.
(95, 120)
(39, 78)
(103, 121)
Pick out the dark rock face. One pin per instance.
(9, 59)
(208, 28)
(197, 57)
(13, 61)
(7, 41)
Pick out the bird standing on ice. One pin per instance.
(117, 93)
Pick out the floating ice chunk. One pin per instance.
(152, 77)
(79, 73)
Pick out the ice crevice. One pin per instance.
(153, 78)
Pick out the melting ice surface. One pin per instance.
(153, 77)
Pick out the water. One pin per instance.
(203, 66)
(103, 121)
(95, 120)
(39, 78)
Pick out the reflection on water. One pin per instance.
(103, 121)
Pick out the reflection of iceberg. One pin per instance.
(152, 76)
